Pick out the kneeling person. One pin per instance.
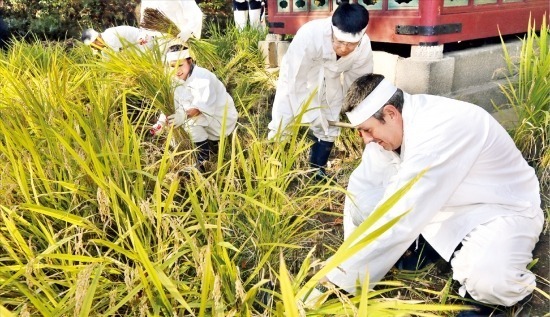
(477, 205)
(203, 107)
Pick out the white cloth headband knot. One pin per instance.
(372, 103)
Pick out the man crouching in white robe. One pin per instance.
(478, 191)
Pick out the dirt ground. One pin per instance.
(539, 305)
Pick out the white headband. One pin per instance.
(177, 55)
(374, 101)
(348, 37)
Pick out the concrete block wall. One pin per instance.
(273, 49)
(487, 63)
(480, 72)
(473, 75)
(425, 76)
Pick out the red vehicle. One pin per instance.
(418, 22)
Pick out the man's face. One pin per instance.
(388, 134)
(342, 48)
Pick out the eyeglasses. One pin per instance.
(352, 45)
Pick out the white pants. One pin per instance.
(491, 265)
(199, 128)
(201, 132)
(283, 120)
(243, 10)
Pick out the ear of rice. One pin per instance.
(156, 20)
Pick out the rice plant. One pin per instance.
(99, 218)
(527, 93)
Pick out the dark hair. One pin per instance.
(87, 34)
(177, 48)
(350, 18)
(362, 87)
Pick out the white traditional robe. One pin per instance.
(309, 63)
(122, 36)
(367, 184)
(204, 91)
(186, 14)
(476, 174)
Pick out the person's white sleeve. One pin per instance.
(182, 102)
(367, 184)
(456, 152)
(178, 118)
(185, 35)
(186, 14)
(159, 125)
(183, 98)
(205, 97)
(298, 62)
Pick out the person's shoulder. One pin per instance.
(203, 73)
(429, 98)
(445, 107)
(315, 25)
(443, 100)
(312, 32)
(201, 70)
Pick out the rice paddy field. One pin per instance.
(100, 218)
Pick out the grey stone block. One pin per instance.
(477, 66)
(488, 95)
(269, 51)
(507, 117)
(273, 37)
(282, 47)
(425, 76)
(385, 64)
(434, 52)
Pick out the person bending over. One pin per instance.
(478, 204)
(203, 107)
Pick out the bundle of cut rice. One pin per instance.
(154, 19)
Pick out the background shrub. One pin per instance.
(64, 19)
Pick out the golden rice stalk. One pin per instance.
(154, 19)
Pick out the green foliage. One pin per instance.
(213, 7)
(217, 11)
(62, 19)
(528, 94)
(240, 67)
(99, 218)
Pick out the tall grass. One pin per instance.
(528, 94)
(100, 219)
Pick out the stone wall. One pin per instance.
(473, 74)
